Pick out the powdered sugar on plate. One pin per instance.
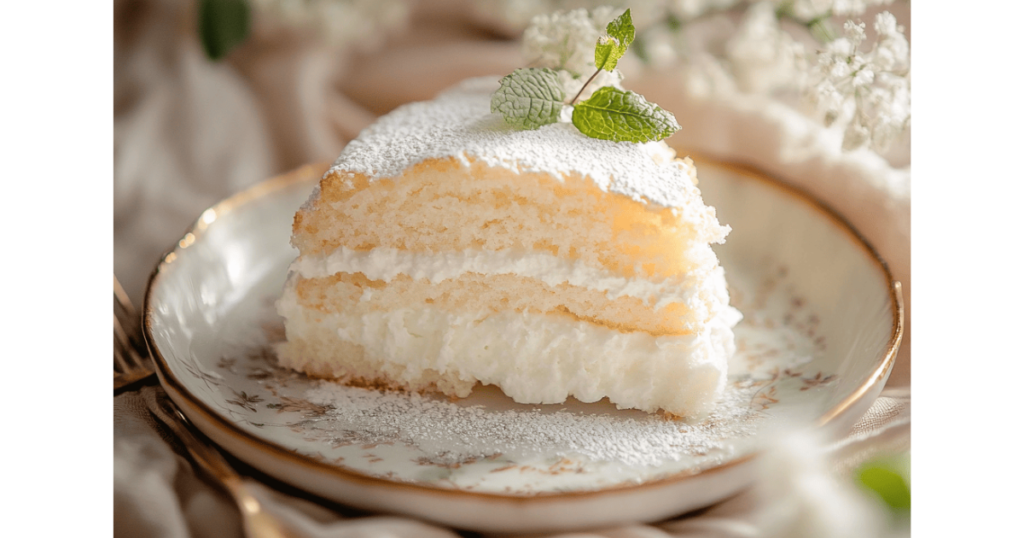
(452, 432)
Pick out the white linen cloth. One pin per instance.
(189, 132)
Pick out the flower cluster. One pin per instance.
(564, 42)
(761, 55)
(868, 91)
(808, 10)
(685, 10)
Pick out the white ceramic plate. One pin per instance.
(823, 320)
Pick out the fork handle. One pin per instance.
(256, 522)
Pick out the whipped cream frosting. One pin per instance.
(385, 263)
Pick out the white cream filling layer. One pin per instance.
(385, 263)
(533, 358)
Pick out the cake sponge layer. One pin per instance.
(487, 295)
(441, 205)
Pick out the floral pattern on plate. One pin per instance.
(487, 442)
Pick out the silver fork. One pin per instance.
(131, 359)
(132, 363)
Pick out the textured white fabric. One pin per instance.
(188, 132)
(806, 489)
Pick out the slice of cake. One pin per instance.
(444, 249)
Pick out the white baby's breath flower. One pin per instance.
(572, 84)
(564, 41)
(856, 134)
(703, 76)
(339, 23)
(763, 57)
(517, 13)
(661, 46)
(808, 10)
(864, 94)
(806, 501)
(892, 53)
(869, 92)
(863, 78)
(855, 34)
(685, 10)
(828, 100)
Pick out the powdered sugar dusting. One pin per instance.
(459, 124)
(452, 432)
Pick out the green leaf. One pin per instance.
(529, 98)
(223, 25)
(611, 47)
(622, 116)
(887, 479)
(822, 30)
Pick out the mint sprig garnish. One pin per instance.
(622, 116)
(612, 46)
(530, 98)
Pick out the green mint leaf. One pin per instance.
(622, 116)
(607, 53)
(223, 25)
(529, 98)
(612, 46)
